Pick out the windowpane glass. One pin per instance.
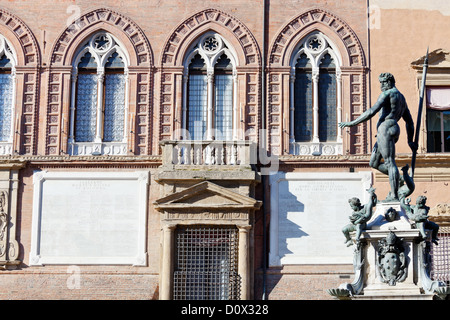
(6, 91)
(5, 62)
(114, 107)
(86, 109)
(224, 107)
(303, 109)
(327, 106)
(438, 127)
(446, 135)
(197, 106)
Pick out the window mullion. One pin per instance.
(13, 94)
(292, 106)
(127, 109)
(72, 109)
(100, 101)
(210, 79)
(339, 104)
(315, 77)
(185, 89)
(235, 104)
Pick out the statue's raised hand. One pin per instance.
(344, 124)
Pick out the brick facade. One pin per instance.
(157, 34)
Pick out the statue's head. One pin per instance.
(421, 200)
(390, 214)
(355, 203)
(387, 81)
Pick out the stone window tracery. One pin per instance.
(99, 102)
(210, 86)
(315, 91)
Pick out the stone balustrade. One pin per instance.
(209, 153)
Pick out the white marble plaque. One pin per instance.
(89, 218)
(308, 212)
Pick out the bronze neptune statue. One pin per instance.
(392, 107)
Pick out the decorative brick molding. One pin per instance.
(29, 55)
(353, 75)
(140, 72)
(27, 81)
(248, 69)
(282, 45)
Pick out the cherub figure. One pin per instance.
(419, 214)
(359, 217)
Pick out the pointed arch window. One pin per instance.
(99, 98)
(315, 107)
(7, 93)
(210, 89)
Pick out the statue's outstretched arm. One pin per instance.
(366, 115)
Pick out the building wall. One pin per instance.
(157, 34)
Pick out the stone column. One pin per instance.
(126, 130)
(315, 78)
(72, 109)
(184, 106)
(209, 123)
(339, 103)
(100, 83)
(167, 262)
(244, 263)
(235, 105)
(291, 106)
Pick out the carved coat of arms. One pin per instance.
(391, 261)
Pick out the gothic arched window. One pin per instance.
(99, 103)
(315, 97)
(209, 107)
(7, 88)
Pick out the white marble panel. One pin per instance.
(308, 212)
(89, 218)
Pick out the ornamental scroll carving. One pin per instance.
(3, 218)
(8, 246)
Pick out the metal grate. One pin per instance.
(440, 257)
(206, 263)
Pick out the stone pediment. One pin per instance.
(438, 58)
(206, 195)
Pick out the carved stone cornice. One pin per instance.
(324, 160)
(20, 161)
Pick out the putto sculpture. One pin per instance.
(419, 215)
(391, 105)
(359, 217)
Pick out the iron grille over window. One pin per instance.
(206, 263)
(440, 257)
